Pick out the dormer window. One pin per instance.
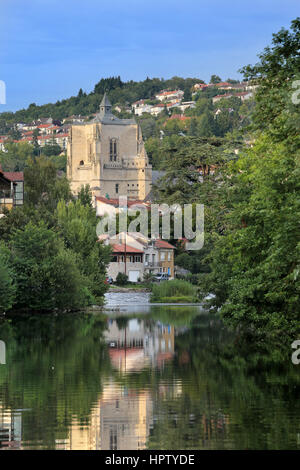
(113, 150)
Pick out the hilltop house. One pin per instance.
(244, 95)
(140, 107)
(164, 95)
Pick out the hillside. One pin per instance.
(85, 104)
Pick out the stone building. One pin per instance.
(108, 153)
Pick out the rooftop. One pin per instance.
(105, 115)
(122, 248)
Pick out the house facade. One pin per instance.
(143, 255)
(128, 260)
(11, 189)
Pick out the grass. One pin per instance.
(176, 291)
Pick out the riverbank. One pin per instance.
(129, 288)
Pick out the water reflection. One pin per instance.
(134, 344)
(171, 379)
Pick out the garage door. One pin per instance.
(134, 275)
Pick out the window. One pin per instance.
(19, 193)
(169, 256)
(117, 188)
(113, 150)
(162, 256)
(81, 163)
(138, 259)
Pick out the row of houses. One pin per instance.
(243, 95)
(167, 100)
(245, 86)
(135, 255)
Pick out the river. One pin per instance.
(141, 376)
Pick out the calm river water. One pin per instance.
(141, 376)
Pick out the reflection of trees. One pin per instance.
(54, 367)
(214, 393)
(231, 397)
(176, 316)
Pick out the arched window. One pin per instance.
(113, 150)
(81, 163)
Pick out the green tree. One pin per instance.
(215, 79)
(7, 286)
(16, 156)
(277, 69)
(85, 195)
(43, 188)
(45, 273)
(256, 259)
(76, 223)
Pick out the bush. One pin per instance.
(148, 278)
(122, 279)
(178, 290)
(46, 274)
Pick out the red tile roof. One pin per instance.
(222, 84)
(163, 244)
(115, 202)
(120, 248)
(14, 175)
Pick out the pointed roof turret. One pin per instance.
(105, 106)
(105, 115)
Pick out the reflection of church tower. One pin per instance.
(108, 153)
(125, 418)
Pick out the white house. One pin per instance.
(170, 95)
(186, 105)
(140, 107)
(128, 260)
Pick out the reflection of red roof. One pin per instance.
(162, 357)
(120, 248)
(163, 244)
(121, 353)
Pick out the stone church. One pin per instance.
(108, 153)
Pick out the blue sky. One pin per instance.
(51, 48)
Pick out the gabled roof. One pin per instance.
(163, 244)
(14, 175)
(121, 248)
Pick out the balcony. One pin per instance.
(153, 264)
(113, 165)
(6, 198)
